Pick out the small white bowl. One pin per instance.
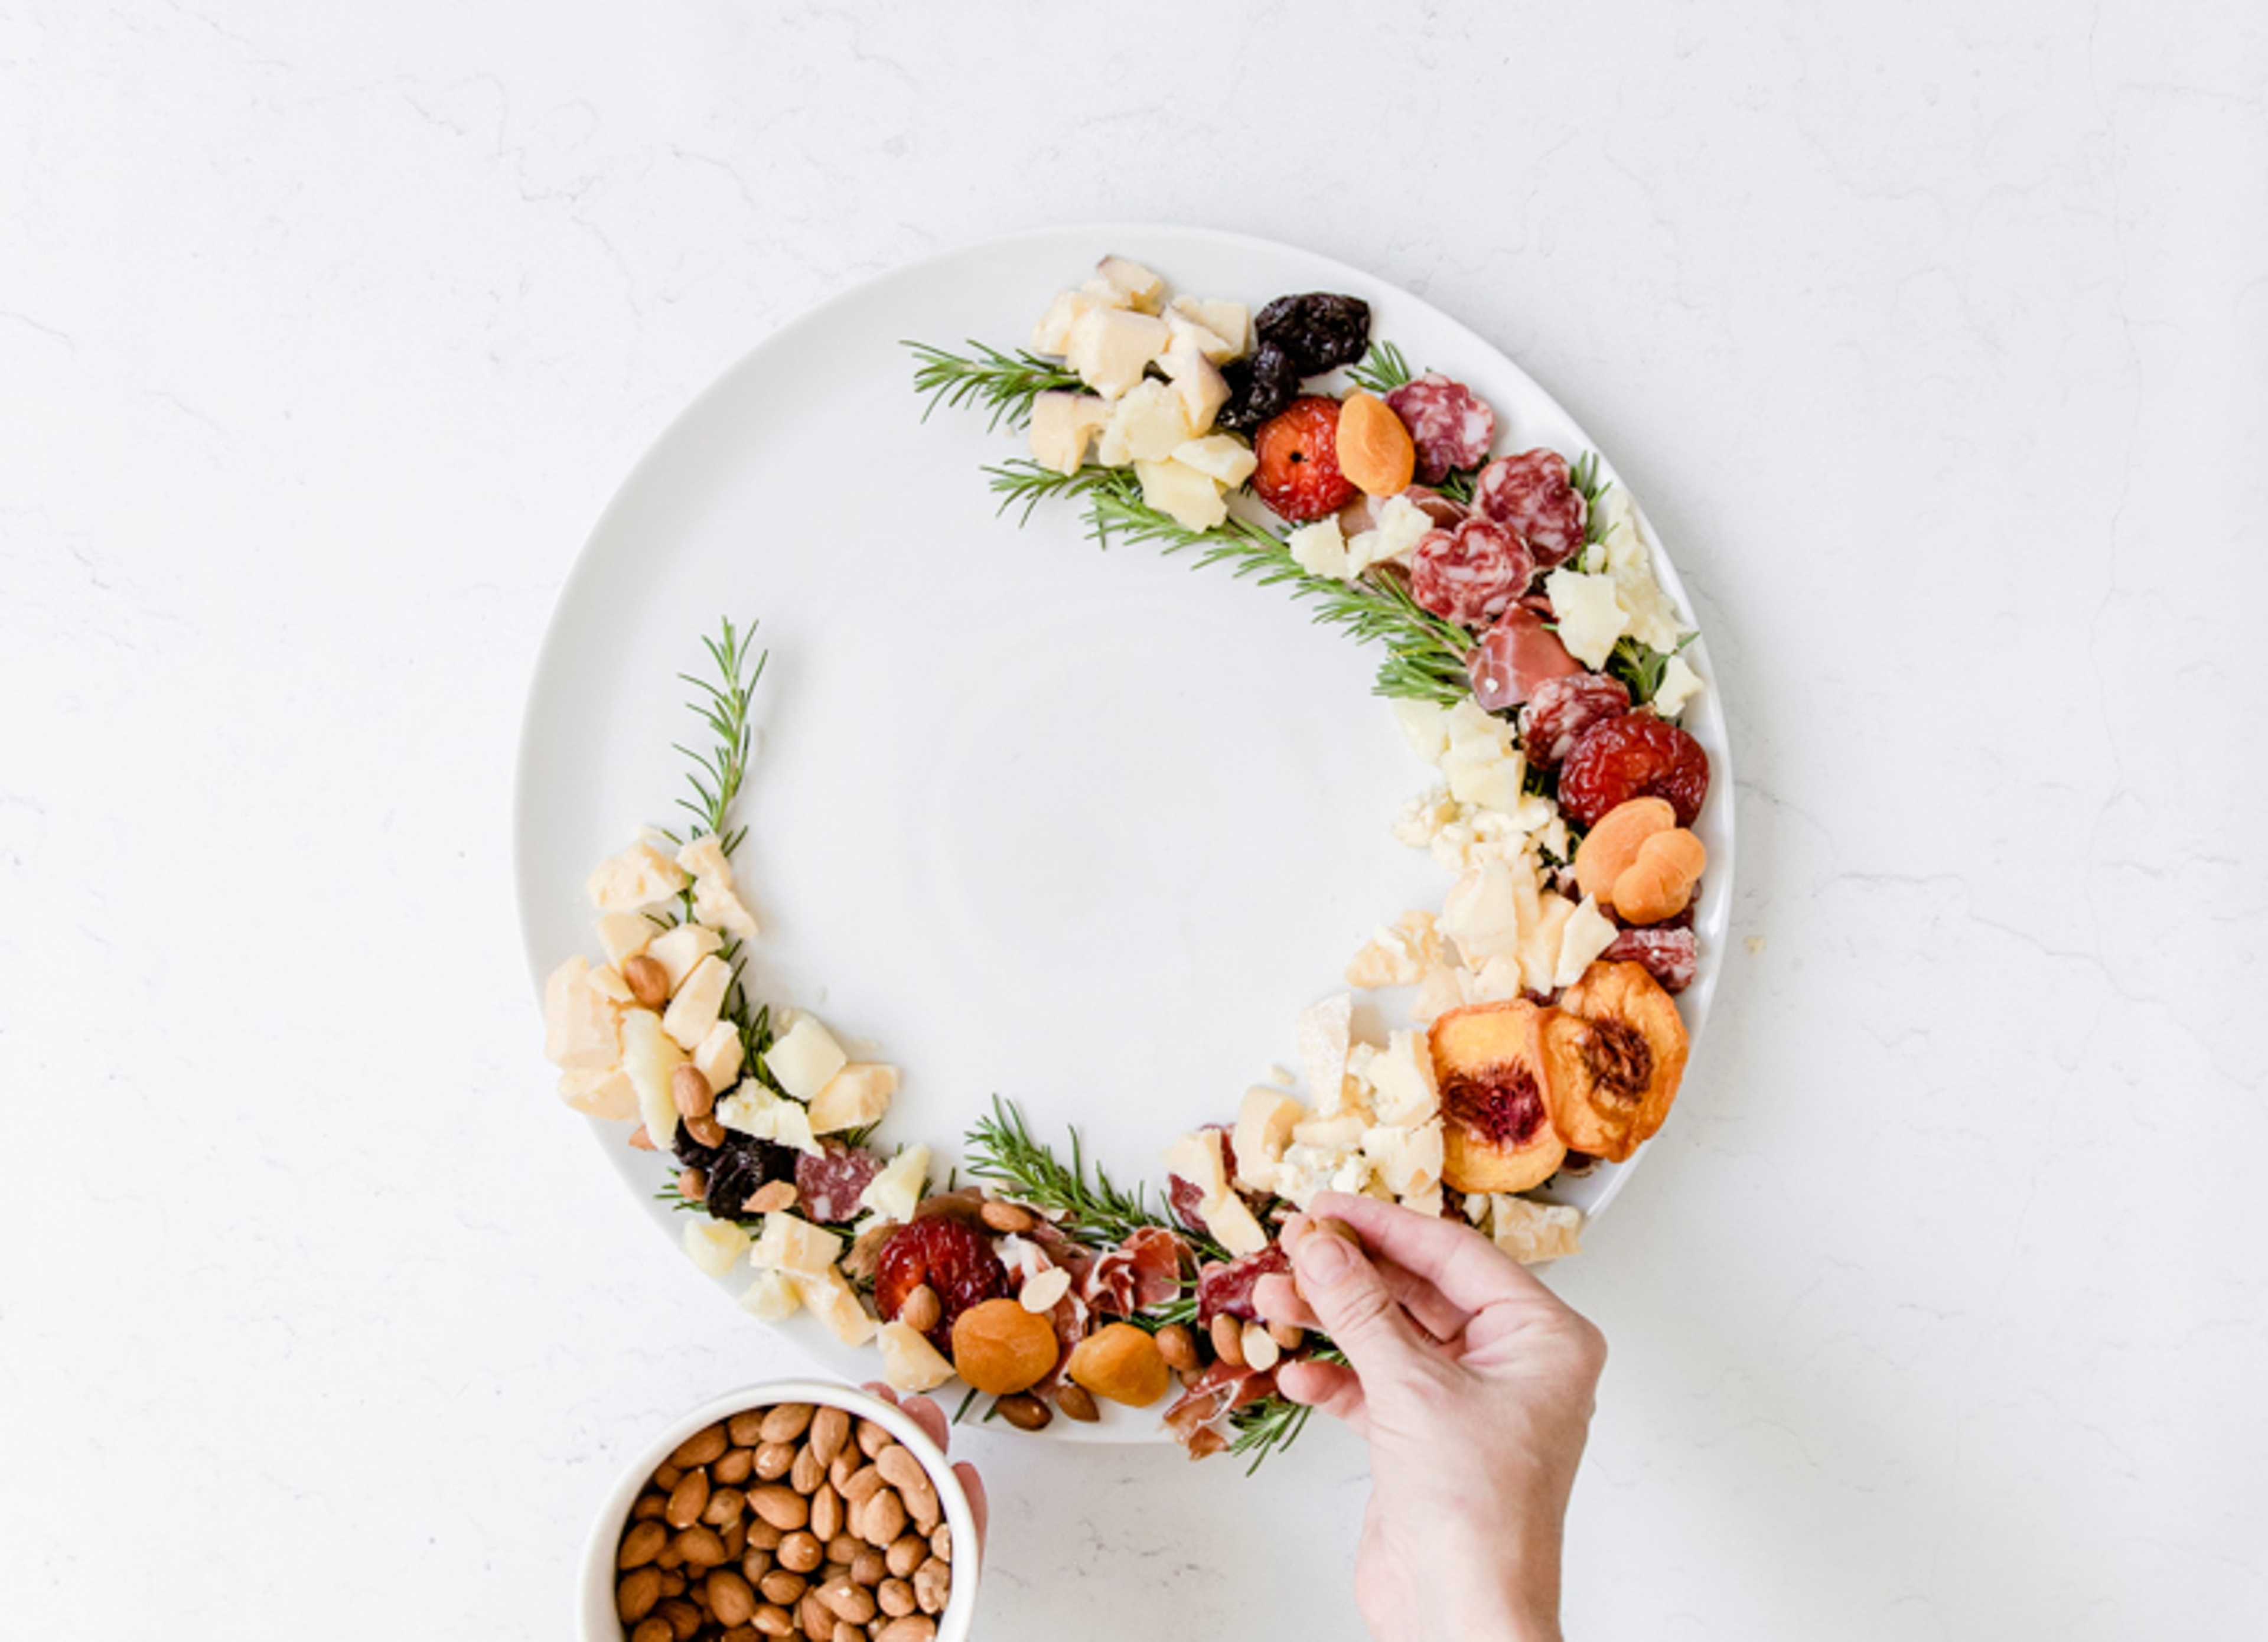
(594, 1600)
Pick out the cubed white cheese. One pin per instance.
(1197, 382)
(1539, 942)
(608, 982)
(719, 1054)
(1401, 526)
(715, 1246)
(693, 1012)
(1533, 1232)
(1588, 933)
(1406, 1160)
(1110, 348)
(1189, 497)
(1402, 1075)
(1653, 619)
(1427, 1201)
(804, 1057)
(1495, 982)
(638, 878)
(909, 1362)
(829, 1298)
(1336, 1133)
(1482, 912)
(1196, 1156)
(1680, 684)
(854, 1097)
(753, 1109)
(793, 1244)
(892, 1193)
(1590, 618)
(1442, 989)
(1323, 1031)
(1424, 726)
(1478, 732)
(1222, 457)
(1232, 1225)
(610, 1094)
(582, 1027)
(1483, 781)
(1146, 424)
(716, 903)
(1396, 955)
(1226, 326)
(1263, 1128)
(1143, 290)
(771, 1297)
(625, 934)
(1319, 548)
(651, 1059)
(1063, 426)
(678, 949)
(1052, 334)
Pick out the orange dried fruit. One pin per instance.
(1613, 1052)
(1661, 881)
(1608, 848)
(1497, 1132)
(1121, 1362)
(1376, 453)
(1000, 1348)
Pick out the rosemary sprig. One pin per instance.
(721, 703)
(1640, 667)
(1003, 1154)
(1380, 371)
(1583, 475)
(1003, 384)
(1022, 485)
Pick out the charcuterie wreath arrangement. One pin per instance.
(1530, 656)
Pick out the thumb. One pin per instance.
(1352, 1303)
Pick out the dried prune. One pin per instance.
(1319, 330)
(738, 1168)
(1260, 385)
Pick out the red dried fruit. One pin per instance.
(1533, 493)
(1299, 454)
(951, 1256)
(1635, 756)
(1470, 571)
(1561, 709)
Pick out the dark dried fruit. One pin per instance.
(1298, 472)
(952, 1258)
(1319, 331)
(737, 1168)
(1635, 756)
(1259, 386)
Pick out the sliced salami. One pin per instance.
(1671, 956)
(1532, 493)
(827, 1187)
(1227, 1287)
(1469, 572)
(1450, 424)
(1514, 658)
(1562, 709)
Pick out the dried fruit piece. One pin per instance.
(1614, 1052)
(1534, 494)
(1497, 1133)
(1000, 1348)
(1610, 848)
(1298, 472)
(1636, 755)
(951, 1258)
(1121, 1363)
(1260, 385)
(1561, 708)
(1318, 331)
(738, 1166)
(1470, 572)
(1374, 449)
(1658, 883)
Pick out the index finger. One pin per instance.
(1471, 1271)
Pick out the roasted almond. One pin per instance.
(648, 981)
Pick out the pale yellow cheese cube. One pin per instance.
(651, 1059)
(854, 1097)
(1482, 912)
(892, 1193)
(1319, 550)
(792, 1243)
(805, 1057)
(1590, 617)
(1540, 942)
(1402, 1074)
(1052, 334)
(1197, 382)
(771, 1297)
(608, 1093)
(1323, 1032)
(1063, 426)
(677, 950)
(638, 878)
(716, 903)
(1341, 1133)
(1533, 1232)
(582, 1028)
(1680, 684)
(1183, 494)
(1196, 1156)
(608, 982)
(694, 1011)
(1407, 1160)
(909, 1362)
(828, 1296)
(1228, 325)
(1145, 425)
(1110, 348)
(1588, 934)
(715, 1246)
(1232, 1225)
(719, 1054)
(1263, 1128)
(1222, 458)
(625, 934)
(1143, 290)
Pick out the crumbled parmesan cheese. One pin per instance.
(638, 878)
(771, 1297)
(1680, 684)
(1590, 617)
(1588, 934)
(892, 1193)
(1323, 1033)
(1319, 550)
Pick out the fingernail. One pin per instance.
(1326, 1259)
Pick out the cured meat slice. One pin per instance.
(1532, 493)
(1227, 1286)
(1470, 571)
(828, 1186)
(1144, 1272)
(1671, 956)
(1450, 424)
(1513, 659)
(1221, 1389)
(1561, 709)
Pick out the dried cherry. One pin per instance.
(1260, 385)
(1298, 453)
(951, 1257)
(1634, 756)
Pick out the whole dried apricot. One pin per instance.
(1000, 1348)
(1123, 1363)
(1375, 452)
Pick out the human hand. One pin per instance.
(1473, 1385)
(938, 1430)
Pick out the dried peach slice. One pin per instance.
(1497, 1133)
(1613, 1053)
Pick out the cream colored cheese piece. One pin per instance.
(892, 1193)
(1588, 934)
(1653, 619)
(650, 1058)
(1109, 348)
(1442, 989)
(1145, 426)
(1532, 1233)
(1427, 1201)
(753, 1109)
(1197, 382)
(854, 1097)
(1228, 324)
(1195, 1158)
(1052, 334)
(1396, 955)
(625, 934)
(1231, 1225)
(1482, 912)
(805, 1057)
(790, 1243)
(1425, 726)
(1680, 684)
(1496, 982)
(1043, 1289)
(1590, 617)
(1401, 526)
(1143, 290)
(608, 1093)
(1336, 1133)
(1063, 426)
(678, 949)
(1263, 1128)
(715, 1246)
(909, 1362)
(1319, 548)
(638, 878)
(693, 1012)
(582, 1028)
(716, 903)
(608, 982)
(1406, 1160)
(1539, 942)
(1323, 1036)
(771, 1297)
(719, 1054)
(828, 1296)
(1222, 458)
(1403, 1074)
(1189, 497)
(1484, 781)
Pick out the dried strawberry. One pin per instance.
(1635, 756)
(954, 1258)
(1298, 451)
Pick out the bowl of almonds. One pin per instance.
(796, 1509)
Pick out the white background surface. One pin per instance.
(1934, 340)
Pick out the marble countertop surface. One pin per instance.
(1935, 336)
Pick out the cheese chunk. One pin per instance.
(1197, 381)
(716, 903)
(715, 1246)
(610, 1094)
(854, 1097)
(828, 1296)
(650, 1059)
(1110, 348)
(694, 1011)
(1406, 1160)
(1589, 615)
(1319, 550)
(719, 1054)
(678, 949)
(1588, 933)
(1401, 526)
(1402, 1075)
(1052, 334)
(1540, 942)
(1653, 619)
(892, 1193)
(1339, 1133)
(1532, 1233)
(608, 982)
(582, 1027)
(771, 1297)
(1680, 684)
(1196, 1156)
(1398, 955)
(625, 934)
(909, 1362)
(1063, 426)
(1184, 495)
(1484, 781)
(1234, 1226)
(1263, 1128)
(1223, 327)
(1323, 1031)
(1222, 457)
(638, 878)
(753, 1109)
(805, 1057)
(1135, 285)
(1482, 913)
(1146, 425)
(793, 1244)
(1425, 726)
